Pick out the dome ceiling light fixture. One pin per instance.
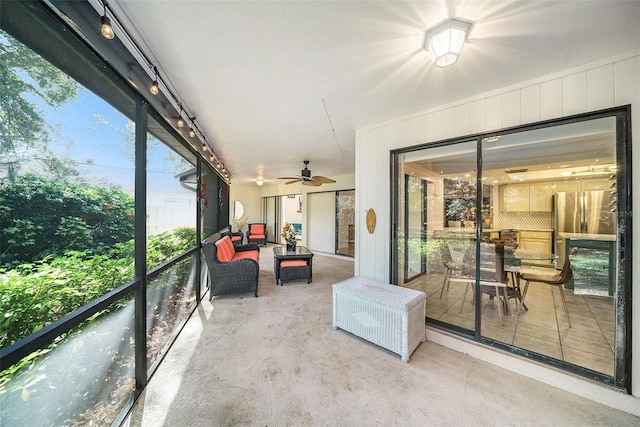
(445, 41)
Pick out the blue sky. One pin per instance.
(101, 142)
(100, 139)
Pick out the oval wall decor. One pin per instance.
(371, 221)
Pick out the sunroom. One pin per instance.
(111, 178)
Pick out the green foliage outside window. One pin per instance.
(24, 77)
(36, 294)
(41, 218)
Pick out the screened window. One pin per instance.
(66, 194)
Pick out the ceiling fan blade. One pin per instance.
(312, 183)
(289, 177)
(323, 179)
(292, 182)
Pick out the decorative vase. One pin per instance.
(291, 247)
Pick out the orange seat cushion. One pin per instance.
(257, 229)
(225, 250)
(254, 255)
(293, 263)
(256, 236)
(236, 238)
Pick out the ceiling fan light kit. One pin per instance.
(306, 179)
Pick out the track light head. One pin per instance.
(180, 122)
(192, 133)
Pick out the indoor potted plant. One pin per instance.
(455, 210)
(239, 224)
(289, 236)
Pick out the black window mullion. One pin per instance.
(141, 245)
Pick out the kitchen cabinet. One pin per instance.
(536, 240)
(594, 266)
(514, 198)
(566, 185)
(535, 197)
(540, 197)
(596, 184)
(590, 184)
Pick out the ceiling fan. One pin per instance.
(306, 178)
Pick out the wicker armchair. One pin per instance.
(236, 276)
(257, 233)
(237, 237)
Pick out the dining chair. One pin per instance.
(449, 264)
(558, 280)
(496, 289)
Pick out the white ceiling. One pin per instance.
(258, 75)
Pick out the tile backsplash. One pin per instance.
(525, 220)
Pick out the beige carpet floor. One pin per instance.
(276, 361)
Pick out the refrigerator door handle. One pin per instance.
(583, 213)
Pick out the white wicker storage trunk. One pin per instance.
(390, 316)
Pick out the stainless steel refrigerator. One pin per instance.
(587, 220)
(589, 212)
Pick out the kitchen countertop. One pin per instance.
(586, 236)
(496, 230)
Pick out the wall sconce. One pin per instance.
(371, 221)
(259, 181)
(445, 42)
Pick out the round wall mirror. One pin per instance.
(238, 209)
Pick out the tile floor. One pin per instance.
(543, 328)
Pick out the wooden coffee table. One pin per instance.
(289, 265)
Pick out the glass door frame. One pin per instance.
(423, 226)
(623, 295)
(338, 225)
(275, 236)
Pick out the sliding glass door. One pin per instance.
(521, 242)
(436, 229)
(345, 219)
(270, 214)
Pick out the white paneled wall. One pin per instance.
(320, 231)
(605, 84)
